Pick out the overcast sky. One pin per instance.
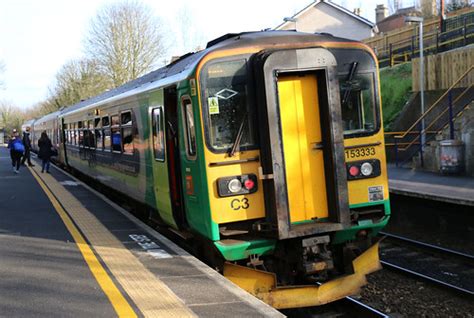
(38, 37)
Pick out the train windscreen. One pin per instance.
(227, 102)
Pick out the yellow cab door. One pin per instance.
(303, 147)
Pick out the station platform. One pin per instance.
(67, 251)
(430, 185)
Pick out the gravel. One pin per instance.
(401, 296)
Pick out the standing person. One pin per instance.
(44, 153)
(16, 150)
(27, 144)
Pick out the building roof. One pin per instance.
(332, 4)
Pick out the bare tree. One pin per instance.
(78, 80)
(125, 41)
(11, 116)
(190, 36)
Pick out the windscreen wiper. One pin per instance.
(238, 137)
(350, 77)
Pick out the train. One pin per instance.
(265, 149)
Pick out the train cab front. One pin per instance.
(302, 180)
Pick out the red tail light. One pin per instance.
(249, 184)
(354, 171)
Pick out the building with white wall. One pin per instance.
(327, 17)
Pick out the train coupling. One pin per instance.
(263, 285)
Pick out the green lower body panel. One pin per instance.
(233, 250)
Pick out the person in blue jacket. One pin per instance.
(16, 150)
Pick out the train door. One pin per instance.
(166, 167)
(302, 146)
(173, 154)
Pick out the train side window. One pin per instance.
(98, 133)
(158, 134)
(81, 138)
(99, 139)
(86, 138)
(115, 131)
(105, 121)
(106, 133)
(126, 118)
(80, 135)
(127, 132)
(190, 132)
(107, 143)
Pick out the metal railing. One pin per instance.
(416, 135)
(435, 42)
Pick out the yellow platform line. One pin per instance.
(120, 304)
(152, 297)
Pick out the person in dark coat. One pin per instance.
(44, 153)
(16, 150)
(27, 144)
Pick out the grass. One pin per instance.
(395, 85)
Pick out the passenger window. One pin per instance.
(115, 130)
(99, 140)
(127, 132)
(158, 134)
(105, 121)
(127, 140)
(126, 118)
(114, 120)
(81, 138)
(190, 129)
(107, 143)
(86, 138)
(97, 133)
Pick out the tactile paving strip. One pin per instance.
(149, 293)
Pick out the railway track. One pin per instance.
(438, 265)
(346, 307)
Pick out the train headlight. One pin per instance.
(369, 168)
(234, 185)
(366, 169)
(237, 185)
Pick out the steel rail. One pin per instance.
(430, 248)
(425, 277)
(363, 309)
(345, 307)
(466, 256)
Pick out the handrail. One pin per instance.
(446, 109)
(408, 145)
(434, 104)
(412, 132)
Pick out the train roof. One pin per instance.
(183, 67)
(45, 118)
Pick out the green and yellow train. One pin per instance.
(267, 147)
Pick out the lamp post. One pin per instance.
(287, 19)
(419, 20)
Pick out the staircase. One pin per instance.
(440, 115)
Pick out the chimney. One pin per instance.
(381, 13)
(357, 11)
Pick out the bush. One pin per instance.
(395, 86)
